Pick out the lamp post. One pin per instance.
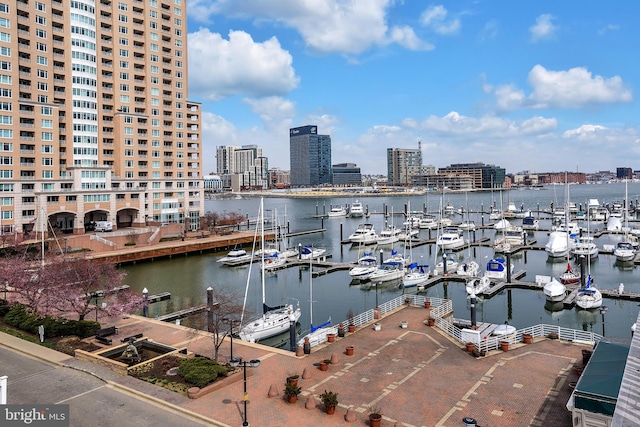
(231, 323)
(252, 364)
(95, 294)
(603, 310)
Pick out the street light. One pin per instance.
(603, 310)
(231, 323)
(252, 364)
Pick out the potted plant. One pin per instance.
(330, 401)
(350, 318)
(293, 379)
(331, 337)
(291, 392)
(324, 364)
(349, 350)
(375, 417)
(431, 321)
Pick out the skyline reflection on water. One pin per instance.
(188, 277)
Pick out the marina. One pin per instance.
(521, 302)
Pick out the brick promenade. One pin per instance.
(416, 376)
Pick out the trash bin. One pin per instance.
(469, 422)
(586, 355)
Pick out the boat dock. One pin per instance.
(182, 313)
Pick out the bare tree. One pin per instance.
(222, 316)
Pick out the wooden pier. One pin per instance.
(182, 313)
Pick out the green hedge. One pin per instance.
(201, 371)
(19, 317)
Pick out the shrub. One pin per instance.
(201, 371)
(19, 317)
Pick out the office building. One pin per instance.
(346, 174)
(310, 157)
(246, 166)
(94, 118)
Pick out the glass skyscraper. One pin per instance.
(310, 157)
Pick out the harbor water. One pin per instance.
(334, 294)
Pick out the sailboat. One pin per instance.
(416, 273)
(589, 296)
(469, 268)
(317, 334)
(274, 320)
(624, 251)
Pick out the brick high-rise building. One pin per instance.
(94, 118)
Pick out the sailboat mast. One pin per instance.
(311, 291)
(261, 219)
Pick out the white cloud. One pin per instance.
(585, 132)
(454, 125)
(406, 37)
(219, 68)
(574, 88)
(607, 28)
(489, 31)
(344, 26)
(435, 18)
(543, 28)
(276, 113)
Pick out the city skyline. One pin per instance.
(493, 82)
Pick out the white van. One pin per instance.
(103, 226)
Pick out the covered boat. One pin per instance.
(554, 291)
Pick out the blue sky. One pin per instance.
(538, 85)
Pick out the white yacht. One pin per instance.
(624, 252)
(415, 275)
(558, 245)
(356, 210)
(367, 264)
(585, 246)
(497, 269)
(337, 212)
(387, 271)
(236, 256)
(428, 222)
(469, 269)
(309, 251)
(388, 235)
(365, 234)
(451, 238)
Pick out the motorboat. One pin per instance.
(467, 225)
(309, 251)
(444, 222)
(530, 223)
(585, 246)
(337, 212)
(408, 233)
(449, 262)
(558, 245)
(503, 224)
(236, 256)
(511, 236)
(387, 271)
(624, 252)
(571, 227)
(497, 269)
(367, 264)
(365, 234)
(554, 291)
(570, 276)
(417, 274)
(428, 222)
(469, 269)
(356, 210)
(449, 210)
(451, 238)
(388, 235)
(589, 296)
(495, 214)
(478, 285)
(274, 320)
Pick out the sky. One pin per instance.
(536, 86)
